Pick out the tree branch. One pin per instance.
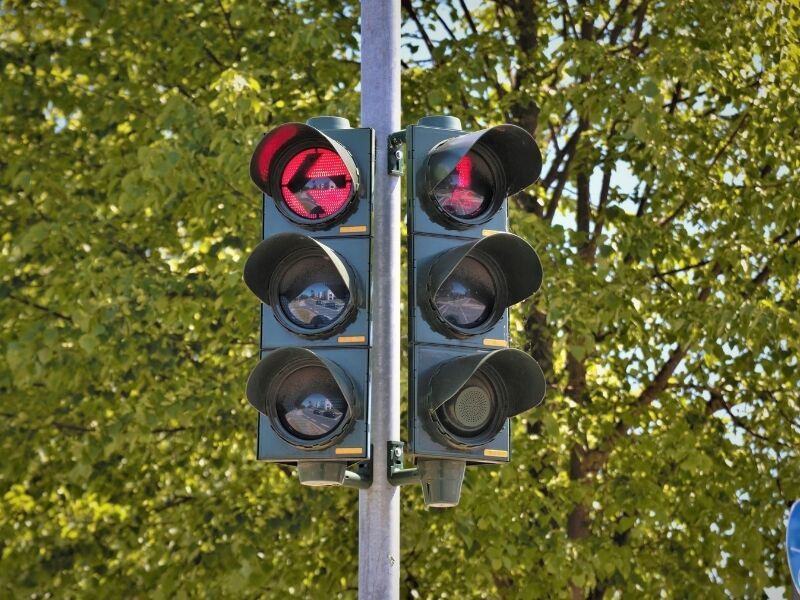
(444, 24)
(176, 501)
(640, 13)
(568, 148)
(702, 263)
(557, 192)
(409, 8)
(728, 142)
(590, 249)
(764, 273)
(671, 217)
(617, 30)
(31, 303)
(468, 16)
(227, 17)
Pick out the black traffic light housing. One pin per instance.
(505, 260)
(506, 153)
(331, 137)
(291, 258)
(465, 270)
(311, 273)
(339, 374)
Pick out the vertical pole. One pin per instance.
(379, 506)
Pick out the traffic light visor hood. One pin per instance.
(278, 360)
(270, 253)
(521, 375)
(309, 401)
(277, 144)
(513, 149)
(513, 256)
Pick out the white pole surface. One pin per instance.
(379, 506)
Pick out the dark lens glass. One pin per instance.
(472, 409)
(309, 403)
(467, 296)
(467, 192)
(312, 293)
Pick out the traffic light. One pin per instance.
(465, 270)
(311, 273)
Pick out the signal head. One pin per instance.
(468, 177)
(471, 397)
(309, 287)
(308, 400)
(470, 286)
(312, 178)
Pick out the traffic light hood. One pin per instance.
(277, 145)
(521, 375)
(270, 253)
(515, 257)
(513, 148)
(268, 370)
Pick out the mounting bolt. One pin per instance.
(395, 154)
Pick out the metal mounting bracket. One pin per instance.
(395, 153)
(359, 475)
(397, 474)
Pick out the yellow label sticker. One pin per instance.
(495, 453)
(498, 343)
(352, 339)
(353, 229)
(349, 451)
(488, 232)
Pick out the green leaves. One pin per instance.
(125, 330)
(669, 321)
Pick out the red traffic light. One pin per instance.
(315, 183)
(468, 177)
(467, 192)
(312, 178)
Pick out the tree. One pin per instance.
(665, 455)
(670, 294)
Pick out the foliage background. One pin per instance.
(666, 454)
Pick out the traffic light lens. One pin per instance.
(467, 192)
(312, 294)
(471, 410)
(309, 404)
(315, 184)
(467, 296)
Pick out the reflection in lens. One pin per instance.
(471, 410)
(312, 294)
(467, 192)
(467, 296)
(309, 403)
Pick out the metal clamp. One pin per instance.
(395, 153)
(396, 473)
(360, 477)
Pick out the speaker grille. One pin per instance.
(472, 407)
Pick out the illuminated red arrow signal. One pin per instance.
(315, 183)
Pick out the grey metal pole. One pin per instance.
(379, 506)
